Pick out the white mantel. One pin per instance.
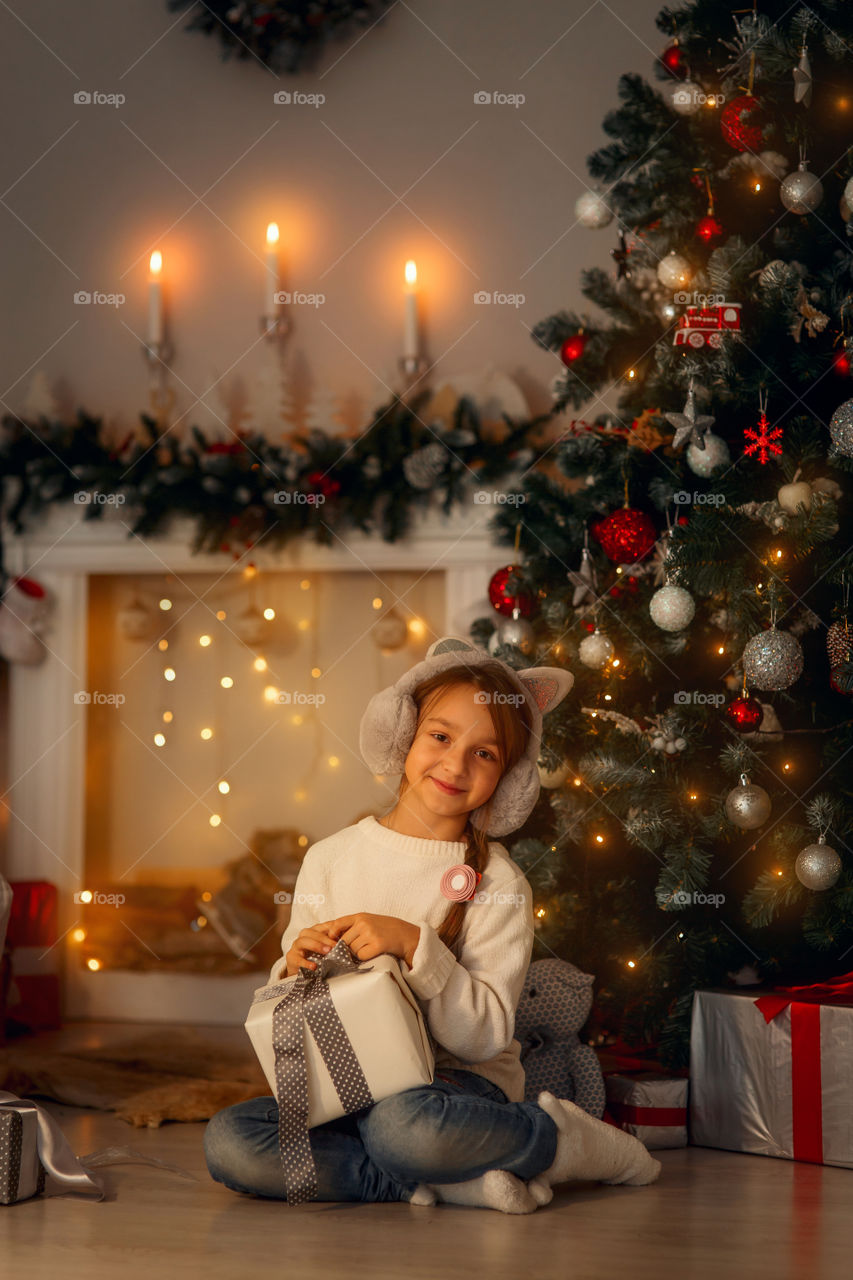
(47, 731)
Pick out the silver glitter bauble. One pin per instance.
(801, 191)
(841, 428)
(552, 778)
(596, 649)
(715, 454)
(747, 806)
(514, 630)
(593, 211)
(772, 660)
(674, 271)
(685, 97)
(672, 608)
(818, 866)
(848, 194)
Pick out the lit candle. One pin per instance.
(410, 327)
(272, 268)
(155, 299)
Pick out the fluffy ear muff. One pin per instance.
(387, 730)
(549, 685)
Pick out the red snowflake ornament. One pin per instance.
(763, 440)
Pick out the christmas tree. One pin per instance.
(689, 553)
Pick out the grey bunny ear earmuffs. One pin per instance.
(390, 720)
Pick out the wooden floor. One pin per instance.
(711, 1214)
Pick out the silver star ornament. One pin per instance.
(690, 426)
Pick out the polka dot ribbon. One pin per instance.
(308, 1000)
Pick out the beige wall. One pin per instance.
(491, 191)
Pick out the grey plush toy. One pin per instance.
(389, 722)
(555, 1003)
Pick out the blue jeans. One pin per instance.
(456, 1128)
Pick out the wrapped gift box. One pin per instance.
(381, 1018)
(651, 1106)
(21, 1171)
(771, 1075)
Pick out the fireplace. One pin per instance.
(178, 750)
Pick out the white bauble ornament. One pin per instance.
(848, 194)
(593, 211)
(841, 428)
(790, 496)
(658, 743)
(715, 454)
(818, 866)
(672, 608)
(747, 806)
(390, 631)
(596, 649)
(552, 778)
(515, 631)
(136, 620)
(772, 660)
(801, 191)
(685, 97)
(251, 626)
(674, 271)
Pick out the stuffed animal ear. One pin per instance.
(549, 685)
(450, 644)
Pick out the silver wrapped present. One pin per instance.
(651, 1106)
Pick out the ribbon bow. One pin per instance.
(54, 1150)
(308, 1001)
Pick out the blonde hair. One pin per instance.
(512, 724)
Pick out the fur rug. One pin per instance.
(177, 1074)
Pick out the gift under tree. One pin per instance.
(689, 554)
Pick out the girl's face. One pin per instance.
(453, 764)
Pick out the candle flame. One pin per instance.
(411, 273)
(155, 263)
(272, 233)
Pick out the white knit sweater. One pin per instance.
(469, 1005)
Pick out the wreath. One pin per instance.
(284, 37)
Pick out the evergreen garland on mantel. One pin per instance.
(372, 483)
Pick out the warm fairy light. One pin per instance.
(607, 697)
(680, 935)
(86, 895)
(787, 766)
(201, 921)
(169, 673)
(417, 629)
(540, 911)
(721, 648)
(302, 841)
(303, 624)
(270, 693)
(300, 794)
(93, 964)
(631, 375)
(296, 718)
(843, 104)
(250, 571)
(159, 739)
(692, 795)
(594, 714)
(167, 717)
(206, 734)
(577, 782)
(305, 584)
(260, 664)
(377, 602)
(224, 788)
(599, 839)
(206, 896)
(778, 553)
(756, 186)
(221, 615)
(779, 873)
(78, 935)
(269, 614)
(165, 604)
(227, 682)
(334, 761)
(204, 641)
(316, 672)
(163, 645)
(615, 662)
(632, 964)
(214, 819)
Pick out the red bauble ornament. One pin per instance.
(739, 123)
(626, 535)
(573, 348)
(708, 228)
(674, 61)
(744, 714)
(506, 592)
(841, 363)
(833, 684)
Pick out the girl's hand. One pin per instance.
(317, 937)
(368, 935)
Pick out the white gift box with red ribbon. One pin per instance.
(772, 1075)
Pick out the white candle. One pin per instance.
(410, 326)
(155, 299)
(272, 269)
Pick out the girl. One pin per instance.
(464, 731)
